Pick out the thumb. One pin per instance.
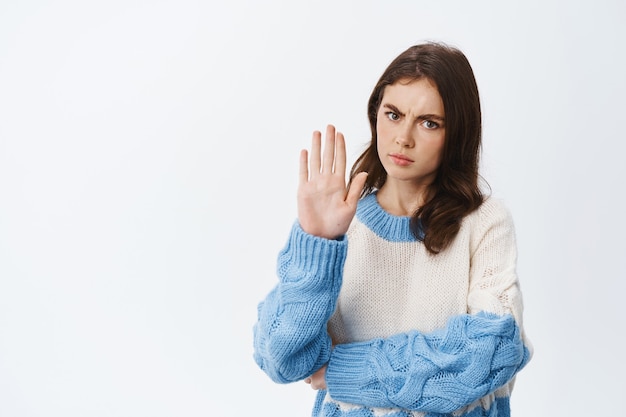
(356, 186)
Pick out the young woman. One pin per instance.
(398, 294)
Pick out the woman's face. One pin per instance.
(411, 131)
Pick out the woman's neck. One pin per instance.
(401, 199)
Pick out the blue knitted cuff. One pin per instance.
(349, 375)
(306, 255)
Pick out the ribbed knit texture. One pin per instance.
(413, 334)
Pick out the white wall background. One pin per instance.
(148, 160)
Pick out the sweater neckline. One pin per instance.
(387, 226)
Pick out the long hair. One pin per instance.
(455, 191)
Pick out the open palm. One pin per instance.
(325, 205)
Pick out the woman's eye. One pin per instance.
(429, 124)
(392, 116)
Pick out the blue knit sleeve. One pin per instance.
(437, 372)
(290, 337)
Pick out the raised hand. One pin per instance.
(325, 205)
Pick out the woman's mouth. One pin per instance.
(400, 159)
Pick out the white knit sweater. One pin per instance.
(392, 284)
(412, 333)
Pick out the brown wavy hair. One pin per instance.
(455, 192)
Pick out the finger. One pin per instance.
(329, 150)
(318, 383)
(316, 144)
(340, 155)
(304, 167)
(356, 187)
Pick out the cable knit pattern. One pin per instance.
(414, 335)
(438, 372)
(290, 336)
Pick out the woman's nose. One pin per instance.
(404, 138)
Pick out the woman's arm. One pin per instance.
(290, 338)
(437, 372)
(473, 355)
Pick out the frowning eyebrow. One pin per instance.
(428, 116)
